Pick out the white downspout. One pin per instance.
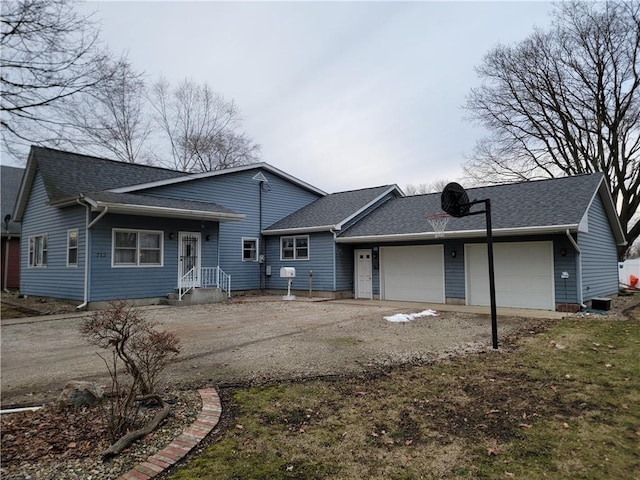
(335, 235)
(578, 268)
(88, 225)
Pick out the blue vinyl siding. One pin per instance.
(566, 289)
(107, 282)
(321, 250)
(344, 267)
(56, 279)
(240, 193)
(599, 255)
(454, 278)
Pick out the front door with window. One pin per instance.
(363, 274)
(189, 256)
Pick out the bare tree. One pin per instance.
(422, 188)
(111, 116)
(202, 127)
(48, 53)
(566, 102)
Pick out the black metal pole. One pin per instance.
(492, 280)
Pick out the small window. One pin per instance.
(72, 248)
(249, 249)
(38, 251)
(137, 248)
(294, 248)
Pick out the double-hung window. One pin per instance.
(249, 249)
(294, 248)
(38, 251)
(137, 248)
(72, 248)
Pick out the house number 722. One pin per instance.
(101, 255)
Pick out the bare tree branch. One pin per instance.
(202, 127)
(48, 53)
(565, 102)
(111, 117)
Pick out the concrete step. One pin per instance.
(197, 296)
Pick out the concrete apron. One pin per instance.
(413, 307)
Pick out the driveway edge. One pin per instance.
(183, 443)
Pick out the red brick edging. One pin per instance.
(183, 443)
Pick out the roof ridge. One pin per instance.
(365, 188)
(110, 160)
(537, 180)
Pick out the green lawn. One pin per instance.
(562, 404)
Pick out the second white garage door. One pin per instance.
(414, 273)
(523, 275)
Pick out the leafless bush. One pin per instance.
(143, 350)
(137, 347)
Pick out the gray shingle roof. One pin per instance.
(66, 175)
(330, 210)
(11, 177)
(543, 203)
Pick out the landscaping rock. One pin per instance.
(80, 393)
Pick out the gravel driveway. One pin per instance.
(246, 340)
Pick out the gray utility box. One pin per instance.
(601, 303)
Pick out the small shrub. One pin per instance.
(135, 344)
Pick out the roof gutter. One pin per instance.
(503, 232)
(168, 212)
(291, 231)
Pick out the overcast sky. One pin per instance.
(342, 95)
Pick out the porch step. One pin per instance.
(197, 296)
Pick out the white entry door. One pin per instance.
(189, 257)
(363, 274)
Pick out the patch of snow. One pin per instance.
(407, 317)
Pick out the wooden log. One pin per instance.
(131, 437)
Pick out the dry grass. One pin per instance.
(562, 404)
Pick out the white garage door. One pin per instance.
(414, 273)
(523, 275)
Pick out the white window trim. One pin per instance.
(250, 239)
(77, 247)
(32, 238)
(295, 254)
(160, 233)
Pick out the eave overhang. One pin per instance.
(165, 212)
(294, 231)
(497, 232)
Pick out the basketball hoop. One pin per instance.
(438, 222)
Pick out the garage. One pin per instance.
(412, 273)
(523, 275)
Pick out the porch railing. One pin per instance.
(206, 277)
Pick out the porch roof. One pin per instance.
(147, 205)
